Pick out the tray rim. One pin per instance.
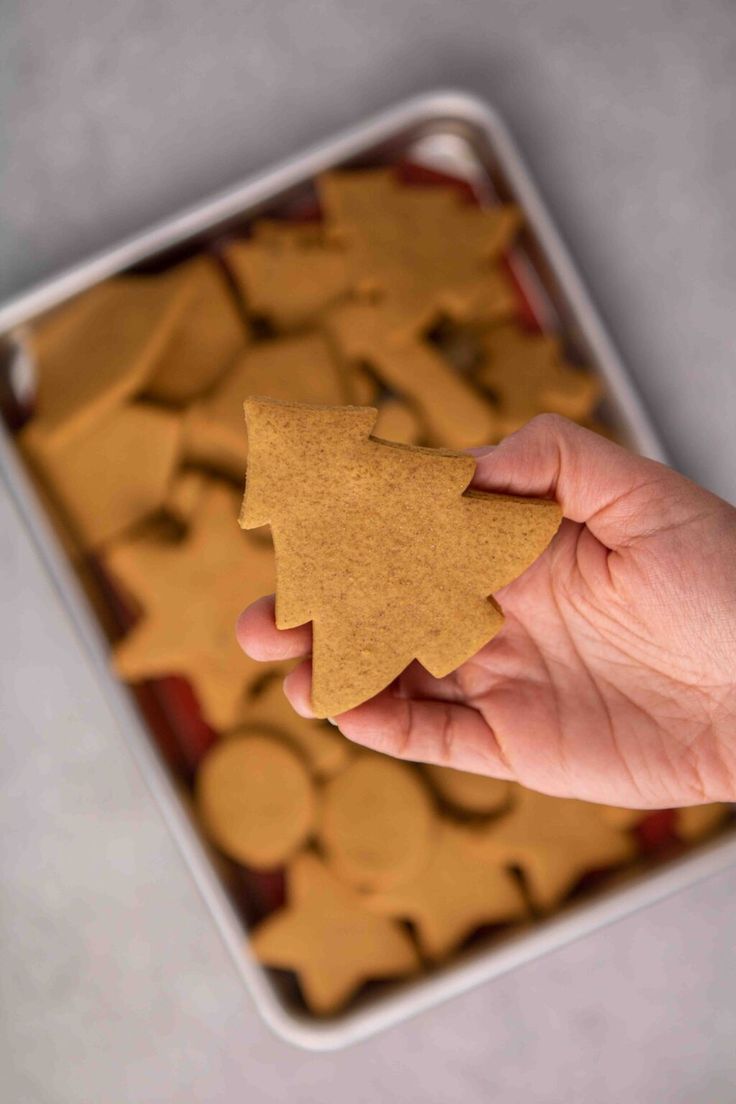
(585, 918)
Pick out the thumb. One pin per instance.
(620, 496)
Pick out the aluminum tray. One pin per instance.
(461, 135)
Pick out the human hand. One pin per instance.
(614, 676)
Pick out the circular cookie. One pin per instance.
(470, 793)
(377, 823)
(255, 800)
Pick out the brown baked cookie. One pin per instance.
(380, 546)
(376, 823)
(454, 412)
(186, 496)
(208, 335)
(329, 939)
(110, 475)
(554, 842)
(397, 421)
(421, 252)
(469, 793)
(191, 592)
(696, 822)
(300, 368)
(255, 800)
(288, 273)
(456, 892)
(621, 818)
(325, 751)
(99, 350)
(528, 375)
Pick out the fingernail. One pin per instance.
(332, 721)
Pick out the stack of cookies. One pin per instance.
(394, 294)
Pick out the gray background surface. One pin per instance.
(114, 986)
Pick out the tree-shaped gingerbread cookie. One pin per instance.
(381, 546)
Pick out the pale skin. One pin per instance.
(614, 676)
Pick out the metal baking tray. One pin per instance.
(459, 135)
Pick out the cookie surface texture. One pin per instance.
(379, 547)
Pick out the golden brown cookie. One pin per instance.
(329, 939)
(453, 410)
(110, 475)
(191, 592)
(397, 421)
(469, 793)
(554, 842)
(325, 751)
(380, 546)
(288, 273)
(698, 821)
(186, 495)
(255, 800)
(453, 895)
(101, 349)
(376, 823)
(422, 252)
(301, 368)
(207, 337)
(621, 818)
(528, 375)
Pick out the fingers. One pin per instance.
(260, 639)
(621, 497)
(443, 732)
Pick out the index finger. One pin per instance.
(259, 638)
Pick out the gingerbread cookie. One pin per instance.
(288, 273)
(698, 821)
(452, 895)
(186, 496)
(255, 800)
(325, 751)
(377, 823)
(191, 593)
(380, 546)
(397, 421)
(207, 337)
(469, 793)
(99, 350)
(621, 818)
(421, 252)
(329, 939)
(111, 475)
(301, 368)
(455, 413)
(554, 842)
(528, 375)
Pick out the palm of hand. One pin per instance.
(594, 687)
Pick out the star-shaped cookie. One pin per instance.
(554, 842)
(456, 892)
(191, 593)
(329, 939)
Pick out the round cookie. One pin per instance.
(255, 800)
(467, 792)
(377, 823)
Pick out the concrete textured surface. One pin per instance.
(114, 985)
